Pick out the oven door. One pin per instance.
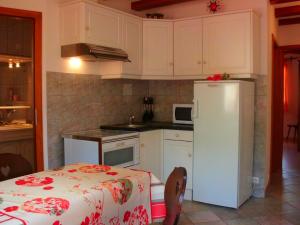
(122, 153)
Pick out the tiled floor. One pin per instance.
(280, 207)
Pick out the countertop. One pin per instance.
(140, 127)
(99, 135)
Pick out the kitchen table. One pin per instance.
(82, 194)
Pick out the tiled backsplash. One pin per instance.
(79, 102)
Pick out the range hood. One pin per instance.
(90, 52)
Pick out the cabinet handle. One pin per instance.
(204, 62)
(142, 145)
(190, 155)
(87, 28)
(171, 64)
(199, 62)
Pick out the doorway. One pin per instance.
(285, 142)
(21, 137)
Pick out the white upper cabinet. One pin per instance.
(187, 48)
(158, 49)
(229, 44)
(133, 44)
(103, 26)
(90, 23)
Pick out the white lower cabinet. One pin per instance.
(178, 152)
(151, 152)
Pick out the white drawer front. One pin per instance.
(178, 135)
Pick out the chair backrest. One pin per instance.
(12, 165)
(174, 195)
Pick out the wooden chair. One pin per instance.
(174, 193)
(12, 166)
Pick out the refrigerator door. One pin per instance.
(216, 143)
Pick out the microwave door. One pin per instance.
(183, 115)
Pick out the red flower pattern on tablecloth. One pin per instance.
(120, 190)
(114, 221)
(138, 216)
(11, 208)
(48, 188)
(33, 181)
(51, 206)
(57, 223)
(112, 173)
(96, 217)
(94, 168)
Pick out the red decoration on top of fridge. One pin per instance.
(214, 5)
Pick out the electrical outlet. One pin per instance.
(255, 180)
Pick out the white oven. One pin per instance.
(123, 152)
(183, 113)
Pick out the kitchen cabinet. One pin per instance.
(16, 35)
(133, 44)
(103, 26)
(28, 38)
(187, 48)
(151, 152)
(234, 51)
(178, 152)
(157, 49)
(132, 36)
(3, 34)
(91, 23)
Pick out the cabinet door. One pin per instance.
(178, 154)
(188, 47)
(158, 48)
(103, 27)
(133, 44)
(3, 34)
(27, 38)
(227, 44)
(71, 24)
(14, 36)
(151, 152)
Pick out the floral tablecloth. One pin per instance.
(79, 194)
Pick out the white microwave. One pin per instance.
(183, 113)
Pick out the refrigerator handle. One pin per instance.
(195, 110)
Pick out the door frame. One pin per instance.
(277, 119)
(38, 128)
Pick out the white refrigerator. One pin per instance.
(223, 142)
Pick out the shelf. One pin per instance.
(14, 107)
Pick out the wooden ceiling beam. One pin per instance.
(281, 1)
(149, 4)
(287, 11)
(289, 21)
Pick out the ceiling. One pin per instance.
(287, 11)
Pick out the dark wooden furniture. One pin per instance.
(12, 165)
(174, 193)
(16, 36)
